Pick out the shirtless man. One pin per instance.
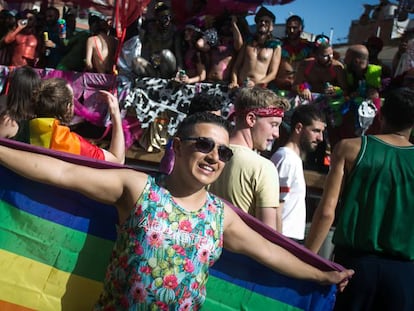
(221, 56)
(258, 60)
(320, 74)
(100, 48)
(25, 44)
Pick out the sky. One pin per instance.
(322, 15)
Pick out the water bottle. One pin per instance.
(46, 38)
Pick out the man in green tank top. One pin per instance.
(374, 178)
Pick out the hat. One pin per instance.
(264, 12)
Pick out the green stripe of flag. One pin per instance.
(238, 298)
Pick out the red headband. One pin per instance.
(265, 112)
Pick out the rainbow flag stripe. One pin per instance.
(55, 245)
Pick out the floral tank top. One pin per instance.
(161, 258)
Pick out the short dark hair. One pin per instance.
(398, 108)
(296, 18)
(205, 102)
(306, 114)
(186, 127)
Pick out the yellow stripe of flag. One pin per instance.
(33, 285)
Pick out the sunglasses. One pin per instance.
(206, 145)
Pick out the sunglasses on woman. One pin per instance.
(205, 145)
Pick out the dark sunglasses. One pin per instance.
(205, 145)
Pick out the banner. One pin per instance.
(55, 245)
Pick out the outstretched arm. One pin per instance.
(116, 151)
(119, 187)
(240, 238)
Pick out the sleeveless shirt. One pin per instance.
(377, 211)
(161, 258)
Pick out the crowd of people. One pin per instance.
(371, 173)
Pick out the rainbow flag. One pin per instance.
(48, 133)
(55, 245)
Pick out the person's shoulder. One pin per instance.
(337, 64)
(248, 157)
(273, 43)
(306, 61)
(280, 154)
(348, 148)
(265, 166)
(241, 150)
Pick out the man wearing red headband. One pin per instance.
(249, 180)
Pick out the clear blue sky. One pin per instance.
(322, 15)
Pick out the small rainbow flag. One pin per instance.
(55, 245)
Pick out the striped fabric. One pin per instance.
(48, 133)
(55, 245)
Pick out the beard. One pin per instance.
(307, 146)
(294, 36)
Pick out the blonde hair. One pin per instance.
(257, 97)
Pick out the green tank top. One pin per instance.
(376, 213)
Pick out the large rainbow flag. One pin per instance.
(55, 245)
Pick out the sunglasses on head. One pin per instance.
(206, 145)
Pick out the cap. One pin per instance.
(264, 12)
